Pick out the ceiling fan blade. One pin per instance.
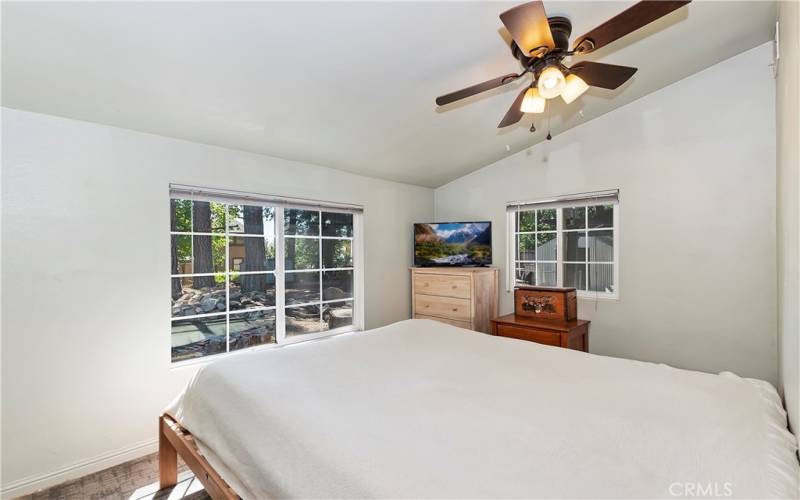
(476, 89)
(528, 25)
(513, 115)
(625, 22)
(607, 76)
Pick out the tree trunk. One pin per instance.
(176, 283)
(328, 247)
(255, 253)
(289, 258)
(203, 260)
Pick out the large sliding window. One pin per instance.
(253, 270)
(570, 241)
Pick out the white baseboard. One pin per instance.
(31, 484)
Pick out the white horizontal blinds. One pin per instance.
(592, 198)
(239, 197)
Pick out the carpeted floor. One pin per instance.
(134, 480)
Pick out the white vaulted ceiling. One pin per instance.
(344, 85)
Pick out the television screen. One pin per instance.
(453, 244)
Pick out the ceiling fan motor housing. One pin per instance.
(561, 28)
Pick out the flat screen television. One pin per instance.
(453, 244)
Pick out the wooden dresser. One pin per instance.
(459, 296)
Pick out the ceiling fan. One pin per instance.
(541, 43)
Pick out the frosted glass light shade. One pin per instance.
(574, 87)
(532, 102)
(551, 82)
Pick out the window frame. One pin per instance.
(279, 272)
(512, 261)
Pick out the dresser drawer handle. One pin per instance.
(455, 309)
(455, 286)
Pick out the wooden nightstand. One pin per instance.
(572, 334)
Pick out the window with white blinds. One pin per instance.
(569, 241)
(249, 270)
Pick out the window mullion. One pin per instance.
(280, 285)
(357, 252)
(615, 239)
(511, 259)
(319, 263)
(559, 250)
(586, 238)
(536, 266)
(226, 267)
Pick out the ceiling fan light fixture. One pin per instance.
(574, 87)
(533, 102)
(541, 43)
(551, 82)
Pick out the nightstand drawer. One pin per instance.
(442, 284)
(538, 336)
(443, 307)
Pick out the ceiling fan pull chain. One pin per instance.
(549, 137)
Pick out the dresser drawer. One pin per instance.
(454, 322)
(533, 335)
(442, 284)
(443, 307)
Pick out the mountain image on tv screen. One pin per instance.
(453, 244)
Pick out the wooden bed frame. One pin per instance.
(174, 440)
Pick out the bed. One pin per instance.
(420, 409)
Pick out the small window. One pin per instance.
(570, 244)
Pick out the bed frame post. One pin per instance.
(167, 458)
(174, 441)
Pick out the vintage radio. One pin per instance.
(548, 303)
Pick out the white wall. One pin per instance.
(695, 165)
(85, 323)
(788, 113)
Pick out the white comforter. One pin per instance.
(419, 409)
